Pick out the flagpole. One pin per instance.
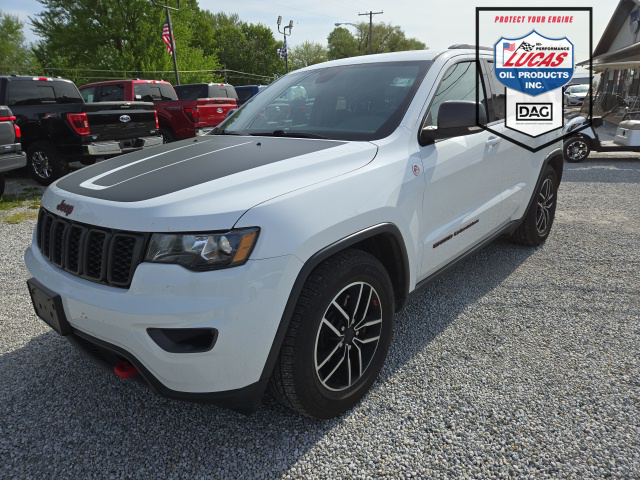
(173, 43)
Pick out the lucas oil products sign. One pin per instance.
(533, 68)
(533, 64)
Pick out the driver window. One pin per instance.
(459, 83)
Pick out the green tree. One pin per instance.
(117, 38)
(14, 50)
(245, 47)
(342, 44)
(386, 38)
(305, 54)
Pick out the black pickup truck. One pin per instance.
(11, 155)
(58, 127)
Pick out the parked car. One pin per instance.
(194, 91)
(11, 154)
(178, 119)
(245, 92)
(277, 251)
(58, 127)
(575, 94)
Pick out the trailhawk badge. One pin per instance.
(533, 68)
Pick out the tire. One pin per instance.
(167, 135)
(576, 149)
(538, 220)
(1, 185)
(44, 163)
(311, 375)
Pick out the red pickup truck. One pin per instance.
(178, 119)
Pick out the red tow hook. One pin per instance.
(124, 369)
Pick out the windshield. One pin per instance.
(579, 89)
(352, 102)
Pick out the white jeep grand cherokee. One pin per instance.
(276, 251)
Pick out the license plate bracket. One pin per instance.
(48, 306)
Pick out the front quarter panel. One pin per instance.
(305, 221)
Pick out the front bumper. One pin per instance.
(114, 147)
(244, 304)
(11, 161)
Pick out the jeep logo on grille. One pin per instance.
(65, 208)
(125, 118)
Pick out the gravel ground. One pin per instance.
(518, 363)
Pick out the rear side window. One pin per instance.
(153, 92)
(499, 98)
(191, 92)
(33, 92)
(112, 93)
(66, 92)
(89, 94)
(244, 94)
(30, 93)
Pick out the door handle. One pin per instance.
(492, 141)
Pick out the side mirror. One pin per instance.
(455, 118)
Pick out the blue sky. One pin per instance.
(438, 23)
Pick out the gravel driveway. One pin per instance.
(519, 362)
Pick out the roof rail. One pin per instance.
(466, 46)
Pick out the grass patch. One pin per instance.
(29, 198)
(21, 217)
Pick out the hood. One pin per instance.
(578, 94)
(199, 184)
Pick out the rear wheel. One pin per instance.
(338, 337)
(576, 149)
(167, 135)
(538, 220)
(44, 163)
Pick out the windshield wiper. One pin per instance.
(282, 133)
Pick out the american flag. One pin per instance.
(509, 46)
(166, 37)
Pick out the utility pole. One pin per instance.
(173, 43)
(371, 14)
(283, 52)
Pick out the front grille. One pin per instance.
(98, 254)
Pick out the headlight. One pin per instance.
(203, 251)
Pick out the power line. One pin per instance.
(79, 71)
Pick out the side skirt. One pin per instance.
(503, 230)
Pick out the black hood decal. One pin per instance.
(162, 170)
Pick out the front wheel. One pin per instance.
(576, 149)
(44, 163)
(338, 337)
(537, 222)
